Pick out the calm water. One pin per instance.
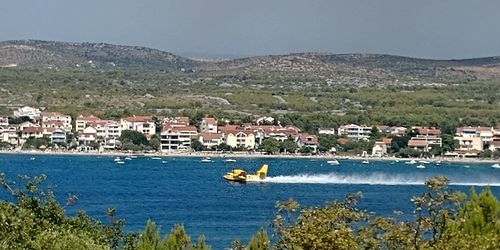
(192, 193)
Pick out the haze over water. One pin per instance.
(188, 192)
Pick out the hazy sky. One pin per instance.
(420, 28)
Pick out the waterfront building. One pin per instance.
(143, 124)
(82, 121)
(208, 125)
(50, 119)
(177, 138)
(307, 140)
(357, 132)
(210, 140)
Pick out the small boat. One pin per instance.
(423, 162)
(466, 166)
(32, 158)
(333, 162)
(411, 162)
(128, 158)
(120, 162)
(164, 162)
(421, 166)
(496, 165)
(365, 162)
(206, 160)
(117, 159)
(230, 160)
(133, 156)
(155, 158)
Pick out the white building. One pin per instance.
(55, 117)
(208, 125)
(58, 136)
(30, 112)
(88, 135)
(82, 120)
(4, 121)
(143, 124)
(354, 131)
(211, 140)
(327, 131)
(177, 138)
(9, 134)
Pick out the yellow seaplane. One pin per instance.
(239, 175)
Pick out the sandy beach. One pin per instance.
(246, 155)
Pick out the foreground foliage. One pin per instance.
(33, 219)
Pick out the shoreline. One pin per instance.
(245, 155)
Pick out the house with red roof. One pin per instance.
(307, 140)
(48, 119)
(82, 120)
(210, 140)
(208, 125)
(143, 124)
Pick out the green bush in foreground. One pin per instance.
(442, 220)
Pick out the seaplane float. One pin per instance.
(240, 175)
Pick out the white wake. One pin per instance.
(370, 179)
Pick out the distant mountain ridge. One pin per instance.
(35, 53)
(52, 54)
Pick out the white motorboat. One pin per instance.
(128, 158)
(423, 162)
(155, 158)
(230, 160)
(117, 159)
(120, 162)
(411, 162)
(421, 166)
(164, 162)
(333, 162)
(206, 160)
(365, 162)
(496, 165)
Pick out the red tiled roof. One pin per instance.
(387, 140)
(54, 123)
(342, 141)
(32, 130)
(308, 139)
(47, 113)
(417, 143)
(210, 136)
(428, 131)
(138, 118)
(209, 120)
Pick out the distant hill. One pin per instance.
(367, 67)
(34, 53)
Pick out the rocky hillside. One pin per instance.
(47, 54)
(337, 68)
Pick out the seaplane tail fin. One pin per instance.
(262, 173)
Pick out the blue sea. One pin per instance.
(186, 191)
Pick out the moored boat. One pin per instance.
(333, 162)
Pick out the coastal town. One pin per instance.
(29, 128)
